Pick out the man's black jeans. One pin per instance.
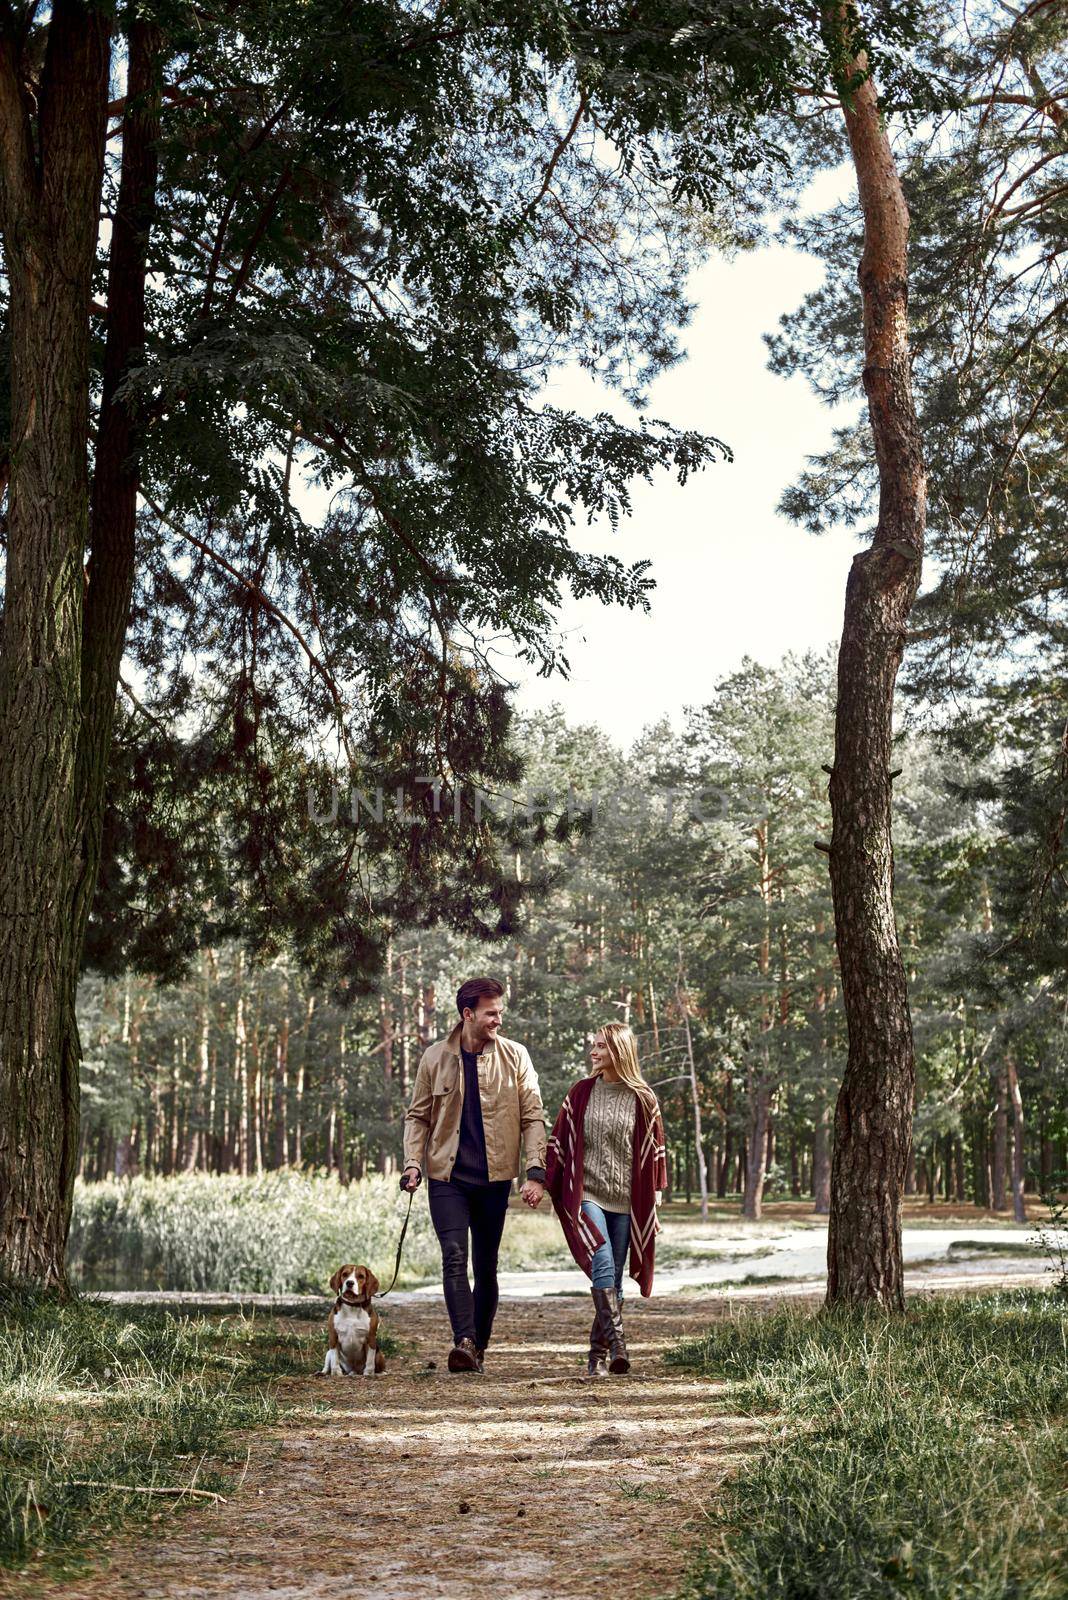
(457, 1209)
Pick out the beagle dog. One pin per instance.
(353, 1325)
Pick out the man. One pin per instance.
(475, 1102)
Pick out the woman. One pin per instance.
(605, 1172)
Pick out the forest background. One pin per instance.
(708, 926)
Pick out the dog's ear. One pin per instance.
(370, 1282)
(335, 1281)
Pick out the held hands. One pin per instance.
(532, 1192)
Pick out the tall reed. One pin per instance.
(282, 1233)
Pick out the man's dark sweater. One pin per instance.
(470, 1164)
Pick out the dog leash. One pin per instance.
(400, 1245)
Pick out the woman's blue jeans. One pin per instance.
(609, 1259)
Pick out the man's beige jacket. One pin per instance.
(512, 1115)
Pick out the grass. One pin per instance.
(925, 1455)
(98, 1406)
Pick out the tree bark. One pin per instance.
(200, 1126)
(695, 1098)
(341, 1091)
(1019, 1209)
(756, 1168)
(281, 1093)
(821, 1163)
(873, 1116)
(241, 1071)
(298, 1111)
(387, 1039)
(723, 1175)
(1001, 1142)
(960, 1183)
(51, 169)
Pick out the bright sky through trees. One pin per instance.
(733, 577)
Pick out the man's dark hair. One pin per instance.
(472, 990)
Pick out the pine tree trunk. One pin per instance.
(960, 1185)
(386, 1159)
(759, 1114)
(196, 1152)
(723, 1175)
(341, 1147)
(695, 1098)
(821, 1163)
(177, 1062)
(1045, 1163)
(126, 1161)
(427, 1014)
(281, 1094)
(56, 712)
(50, 182)
(980, 1163)
(256, 1093)
(241, 1066)
(1001, 1142)
(873, 1117)
(298, 1091)
(1019, 1209)
(405, 1036)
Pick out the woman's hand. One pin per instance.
(532, 1192)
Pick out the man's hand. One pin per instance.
(532, 1192)
(411, 1179)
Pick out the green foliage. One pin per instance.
(97, 1405)
(920, 1455)
(377, 228)
(373, 238)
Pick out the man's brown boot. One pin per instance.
(463, 1357)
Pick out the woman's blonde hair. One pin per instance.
(622, 1049)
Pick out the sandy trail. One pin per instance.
(525, 1482)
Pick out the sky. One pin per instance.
(733, 578)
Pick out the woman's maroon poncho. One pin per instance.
(564, 1181)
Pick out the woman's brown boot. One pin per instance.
(597, 1365)
(607, 1302)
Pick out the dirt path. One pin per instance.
(538, 1481)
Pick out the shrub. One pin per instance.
(282, 1233)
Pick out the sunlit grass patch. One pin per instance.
(923, 1455)
(107, 1415)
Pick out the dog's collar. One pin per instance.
(364, 1300)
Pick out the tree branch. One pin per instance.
(268, 605)
(551, 166)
